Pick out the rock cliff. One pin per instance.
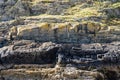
(68, 22)
(60, 39)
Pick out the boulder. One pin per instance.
(25, 54)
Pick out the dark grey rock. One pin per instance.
(112, 12)
(2, 41)
(44, 54)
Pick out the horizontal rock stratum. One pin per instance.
(59, 39)
(69, 22)
(66, 60)
(30, 52)
(64, 32)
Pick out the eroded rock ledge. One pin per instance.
(29, 52)
(84, 32)
(32, 60)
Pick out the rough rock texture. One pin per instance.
(90, 54)
(53, 73)
(49, 7)
(2, 41)
(115, 12)
(27, 52)
(61, 21)
(93, 58)
(59, 39)
(65, 32)
(12, 9)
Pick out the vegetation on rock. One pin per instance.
(60, 39)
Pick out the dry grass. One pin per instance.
(83, 10)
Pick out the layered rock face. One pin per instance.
(59, 39)
(55, 73)
(67, 60)
(66, 32)
(68, 22)
(29, 52)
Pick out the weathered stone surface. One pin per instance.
(90, 54)
(68, 23)
(85, 29)
(74, 73)
(12, 9)
(111, 57)
(25, 52)
(20, 9)
(52, 73)
(28, 52)
(2, 41)
(61, 32)
(115, 12)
